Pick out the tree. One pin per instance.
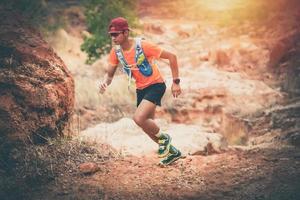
(98, 15)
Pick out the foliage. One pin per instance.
(98, 15)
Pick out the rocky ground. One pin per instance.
(238, 174)
(257, 173)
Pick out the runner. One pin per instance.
(137, 57)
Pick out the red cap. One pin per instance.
(118, 24)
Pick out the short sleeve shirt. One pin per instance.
(151, 52)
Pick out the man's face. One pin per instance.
(119, 37)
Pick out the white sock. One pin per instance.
(159, 134)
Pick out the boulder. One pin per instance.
(128, 139)
(88, 168)
(36, 88)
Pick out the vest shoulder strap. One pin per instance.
(120, 56)
(138, 43)
(139, 53)
(122, 60)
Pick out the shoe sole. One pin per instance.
(167, 151)
(180, 156)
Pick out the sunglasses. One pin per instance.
(115, 34)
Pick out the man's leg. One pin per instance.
(143, 117)
(152, 115)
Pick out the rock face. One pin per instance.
(282, 122)
(36, 88)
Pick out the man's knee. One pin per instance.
(139, 119)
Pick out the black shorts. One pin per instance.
(152, 93)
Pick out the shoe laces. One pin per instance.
(162, 141)
(161, 147)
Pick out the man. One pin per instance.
(136, 57)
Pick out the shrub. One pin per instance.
(98, 15)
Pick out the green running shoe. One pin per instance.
(171, 158)
(164, 143)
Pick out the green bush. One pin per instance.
(98, 15)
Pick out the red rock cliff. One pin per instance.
(36, 88)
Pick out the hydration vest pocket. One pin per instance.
(144, 66)
(141, 61)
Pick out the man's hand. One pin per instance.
(176, 90)
(102, 87)
(106, 82)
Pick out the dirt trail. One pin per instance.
(255, 174)
(236, 174)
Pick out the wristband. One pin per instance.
(176, 81)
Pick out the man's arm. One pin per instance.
(110, 71)
(176, 90)
(173, 62)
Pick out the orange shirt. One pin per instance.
(151, 52)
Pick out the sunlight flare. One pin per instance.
(221, 5)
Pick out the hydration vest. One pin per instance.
(142, 63)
